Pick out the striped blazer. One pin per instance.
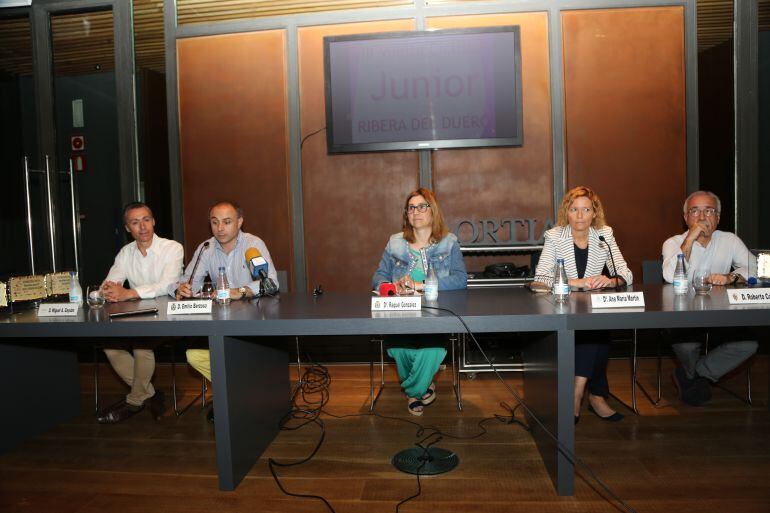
(559, 244)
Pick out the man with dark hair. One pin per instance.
(727, 260)
(149, 264)
(227, 248)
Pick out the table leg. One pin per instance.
(42, 390)
(251, 387)
(549, 376)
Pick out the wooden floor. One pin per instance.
(671, 458)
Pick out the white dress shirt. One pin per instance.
(724, 252)
(148, 275)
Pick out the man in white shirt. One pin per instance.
(150, 264)
(727, 260)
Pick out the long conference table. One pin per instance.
(249, 355)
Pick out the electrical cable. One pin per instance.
(308, 401)
(311, 134)
(560, 446)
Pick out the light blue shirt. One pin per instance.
(238, 273)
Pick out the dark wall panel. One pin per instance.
(233, 135)
(498, 184)
(624, 74)
(352, 203)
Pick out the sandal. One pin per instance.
(430, 395)
(412, 407)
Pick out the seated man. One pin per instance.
(149, 264)
(227, 248)
(728, 261)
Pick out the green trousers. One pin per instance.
(416, 367)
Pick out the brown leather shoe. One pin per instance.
(121, 411)
(156, 404)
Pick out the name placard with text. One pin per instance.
(202, 306)
(58, 310)
(748, 296)
(617, 300)
(392, 303)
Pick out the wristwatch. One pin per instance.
(242, 290)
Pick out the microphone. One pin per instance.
(197, 261)
(258, 267)
(387, 289)
(615, 269)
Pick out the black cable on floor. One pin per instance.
(307, 404)
(561, 447)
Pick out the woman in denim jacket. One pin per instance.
(424, 242)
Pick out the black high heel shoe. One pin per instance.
(615, 417)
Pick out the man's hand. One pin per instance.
(721, 279)
(184, 290)
(114, 292)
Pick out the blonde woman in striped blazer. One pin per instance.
(576, 239)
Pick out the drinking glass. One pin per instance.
(701, 282)
(207, 291)
(95, 296)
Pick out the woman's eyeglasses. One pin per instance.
(422, 207)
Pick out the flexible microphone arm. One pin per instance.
(614, 268)
(197, 261)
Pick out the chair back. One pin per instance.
(652, 272)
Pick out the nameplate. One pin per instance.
(58, 310)
(202, 306)
(389, 304)
(748, 296)
(617, 300)
(3, 297)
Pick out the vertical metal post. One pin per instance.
(75, 220)
(28, 205)
(51, 225)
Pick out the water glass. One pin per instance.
(207, 291)
(701, 282)
(95, 296)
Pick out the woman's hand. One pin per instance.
(594, 282)
(405, 286)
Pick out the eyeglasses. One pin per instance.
(695, 211)
(585, 210)
(422, 207)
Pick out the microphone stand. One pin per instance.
(197, 261)
(615, 269)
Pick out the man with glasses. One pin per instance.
(727, 260)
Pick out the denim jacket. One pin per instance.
(444, 256)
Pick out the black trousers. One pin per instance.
(592, 351)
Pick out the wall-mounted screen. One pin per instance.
(423, 90)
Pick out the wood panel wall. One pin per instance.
(234, 135)
(504, 183)
(625, 137)
(352, 203)
(624, 76)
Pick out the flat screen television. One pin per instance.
(423, 90)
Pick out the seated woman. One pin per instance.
(576, 239)
(425, 242)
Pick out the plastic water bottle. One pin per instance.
(76, 291)
(431, 285)
(560, 287)
(223, 288)
(681, 284)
